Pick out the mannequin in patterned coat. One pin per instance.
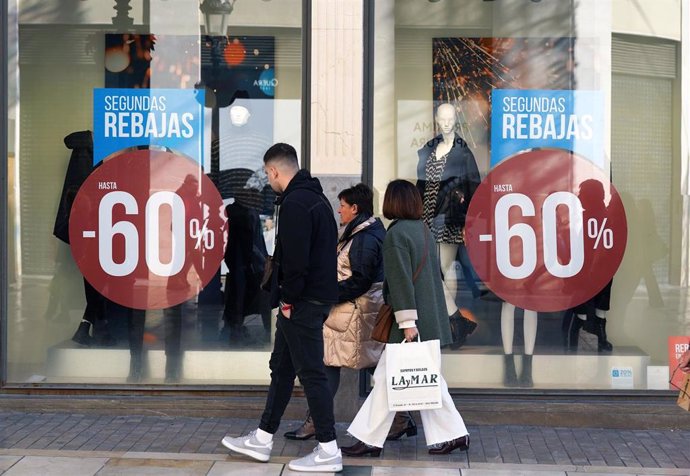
(447, 177)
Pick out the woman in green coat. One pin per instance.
(419, 308)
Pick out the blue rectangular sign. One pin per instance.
(170, 118)
(564, 119)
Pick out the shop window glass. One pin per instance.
(139, 127)
(524, 80)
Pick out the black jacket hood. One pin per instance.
(301, 181)
(79, 139)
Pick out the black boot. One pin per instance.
(304, 432)
(509, 374)
(526, 374)
(403, 424)
(173, 368)
(460, 328)
(603, 345)
(136, 368)
(574, 333)
(82, 335)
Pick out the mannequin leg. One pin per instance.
(602, 303)
(507, 330)
(447, 254)
(603, 345)
(507, 326)
(529, 328)
(460, 326)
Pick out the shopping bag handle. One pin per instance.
(404, 341)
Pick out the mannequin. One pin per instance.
(79, 167)
(592, 196)
(447, 177)
(529, 329)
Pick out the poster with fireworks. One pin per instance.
(467, 70)
(239, 75)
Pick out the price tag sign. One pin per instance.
(147, 229)
(546, 230)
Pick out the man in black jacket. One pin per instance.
(305, 286)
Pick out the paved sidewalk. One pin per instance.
(78, 444)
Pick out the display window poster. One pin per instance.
(167, 118)
(545, 214)
(523, 120)
(151, 97)
(148, 227)
(676, 346)
(467, 70)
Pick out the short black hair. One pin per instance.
(402, 201)
(360, 195)
(281, 152)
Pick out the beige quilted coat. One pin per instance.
(347, 331)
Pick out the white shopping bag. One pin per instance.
(413, 375)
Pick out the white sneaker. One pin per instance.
(249, 445)
(318, 461)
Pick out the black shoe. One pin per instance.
(305, 431)
(509, 374)
(462, 444)
(361, 449)
(173, 368)
(574, 333)
(136, 369)
(403, 424)
(526, 375)
(460, 328)
(603, 345)
(81, 336)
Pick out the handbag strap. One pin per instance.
(424, 257)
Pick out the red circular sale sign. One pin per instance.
(147, 229)
(546, 230)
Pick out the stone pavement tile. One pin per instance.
(151, 467)
(183, 436)
(510, 472)
(7, 461)
(56, 466)
(573, 473)
(61, 431)
(224, 468)
(398, 471)
(347, 471)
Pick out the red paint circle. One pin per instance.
(152, 264)
(234, 52)
(562, 255)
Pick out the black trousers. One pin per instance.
(298, 351)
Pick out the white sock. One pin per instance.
(263, 437)
(330, 447)
(582, 317)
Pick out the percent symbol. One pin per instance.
(201, 232)
(600, 232)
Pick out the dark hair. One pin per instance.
(360, 195)
(281, 152)
(402, 201)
